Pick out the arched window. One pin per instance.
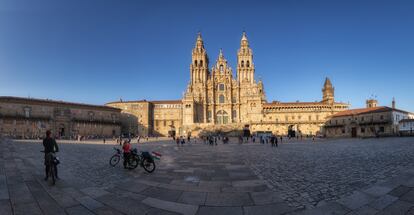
(221, 99)
(201, 63)
(221, 87)
(247, 64)
(195, 62)
(221, 68)
(242, 63)
(222, 117)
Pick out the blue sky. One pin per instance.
(99, 51)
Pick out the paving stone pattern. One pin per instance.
(372, 176)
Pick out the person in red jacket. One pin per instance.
(127, 151)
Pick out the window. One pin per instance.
(201, 63)
(195, 62)
(221, 68)
(381, 117)
(362, 118)
(209, 116)
(310, 118)
(165, 123)
(362, 130)
(382, 129)
(234, 114)
(27, 112)
(317, 117)
(247, 64)
(221, 87)
(222, 117)
(286, 118)
(242, 63)
(221, 99)
(343, 130)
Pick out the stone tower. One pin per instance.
(199, 65)
(245, 66)
(371, 103)
(328, 92)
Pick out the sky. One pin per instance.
(100, 51)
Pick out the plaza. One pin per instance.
(324, 176)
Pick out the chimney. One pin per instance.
(393, 103)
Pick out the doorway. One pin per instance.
(354, 132)
(291, 131)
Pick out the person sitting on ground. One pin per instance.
(127, 151)
(50, 146)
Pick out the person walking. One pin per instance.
(276, 141)
(177, 140)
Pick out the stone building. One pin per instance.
(30, 118)
(406, 127)
(366, 122)
(216, 99)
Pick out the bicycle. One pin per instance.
(145, 159)
(51, 162)
(114, 160)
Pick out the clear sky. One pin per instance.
(100, 51)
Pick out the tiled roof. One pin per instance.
(154, 102)
(358, 111)
(167, 102)
(51, 102)
(407, 120)
(276, 103)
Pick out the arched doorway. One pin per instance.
(291, 131)
(222, 117)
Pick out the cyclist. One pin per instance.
(127, 151)
(50, 146)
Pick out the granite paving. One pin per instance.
(325, 176)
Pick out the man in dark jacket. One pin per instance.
(50, 146)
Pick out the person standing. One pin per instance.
(50, 146)
(127, 151)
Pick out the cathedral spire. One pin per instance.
(328, 92)
(199, 42)
(244, 42)
(221, 56)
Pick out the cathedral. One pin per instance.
(217, 100)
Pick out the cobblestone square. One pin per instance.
(356, 176)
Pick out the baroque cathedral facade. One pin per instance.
(215, 99)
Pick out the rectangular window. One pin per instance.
(381, 117)
(221, 87)
(362, 130)
(310, 118)
(221, 99)
(382, 129)
(165, 123)
(362, 118)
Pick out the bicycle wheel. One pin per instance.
(52, 173)
(114, 160)
(133, 162)
(149, 165)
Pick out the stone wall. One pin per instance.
(30, 118)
